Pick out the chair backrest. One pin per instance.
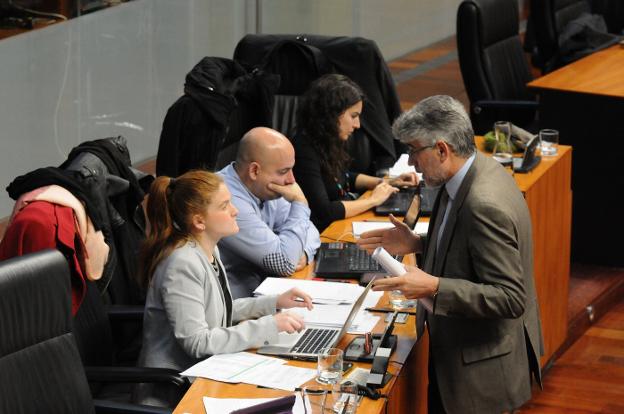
(491, 58)
(549, 17)
(300, 59)
(40, 368)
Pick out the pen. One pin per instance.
(388, 310)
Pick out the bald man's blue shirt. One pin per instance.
(272, 237)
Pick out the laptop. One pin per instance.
(346, 260)
(529, 160)
(398, 203)
(308, 343)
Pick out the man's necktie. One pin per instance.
(436, 232)
(426, 304)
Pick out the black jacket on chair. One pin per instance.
(221, 102)
(493, 65)
(361, 60)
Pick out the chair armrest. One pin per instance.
(114, 407)
(120, 313)
(136, 375)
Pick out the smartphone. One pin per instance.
(346, 366)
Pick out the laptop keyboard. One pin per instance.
(360, 260)
(313, 340)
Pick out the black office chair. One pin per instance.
(548, 18)
(40, 367)
(221, 102)
(300, 59)
(613, 13)
(493, 65)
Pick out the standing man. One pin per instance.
(476, 290)
(276, 236)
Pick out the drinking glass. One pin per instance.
(345, 397)
(549, 139)
(398, 301)
(316, 401)
(329, 366)
(502, 145)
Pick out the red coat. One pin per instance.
(43, 225)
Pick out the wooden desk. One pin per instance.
(585, 102)
(547, 191)
(400, 388)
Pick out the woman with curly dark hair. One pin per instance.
(327, 116)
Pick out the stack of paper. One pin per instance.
(251, 369)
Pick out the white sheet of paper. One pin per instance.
(421, 227)
(282, 377)
(360, 227)
(401, 166)
(321, 292)
(227, 405)
(231, 367)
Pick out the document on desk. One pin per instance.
(360, 227)
(251, 369)
(334, 316)
(227, 405)
(402, 166)
(329, 293)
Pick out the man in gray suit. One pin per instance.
(475, 288)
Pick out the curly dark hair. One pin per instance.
(317, 118)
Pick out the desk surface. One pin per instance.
(601, 73)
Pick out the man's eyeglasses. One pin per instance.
(414, 151)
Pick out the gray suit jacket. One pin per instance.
(485, 329)
(185, 314)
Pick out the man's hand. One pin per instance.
(397, 240)
(414, 284)
(409, 179)
(291, 192)
(294, 298)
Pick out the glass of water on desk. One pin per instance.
(502, 146)
(329, 367)
(549, 140)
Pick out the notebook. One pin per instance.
(308, 343)
(529, 160)
(346, 260)
(398, 203)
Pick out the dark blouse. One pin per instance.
(323, 192)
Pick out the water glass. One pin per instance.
(329, 366)
(345, 397)
(549, 139)
(398, 301)
(502, 146)
(316, 401)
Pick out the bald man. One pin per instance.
(276, 236)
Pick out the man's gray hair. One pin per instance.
(439, 117)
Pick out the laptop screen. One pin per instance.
(411, 217)
(354, 311)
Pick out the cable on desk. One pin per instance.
(346, 233)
